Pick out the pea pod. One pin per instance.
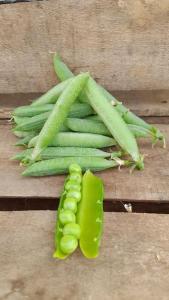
(36, 122)
(30, 111)
(58, 114)
(128, 116)
(114, 122)
(52, 95)
(61, 69)
(74, 139)
(24, 141)
(60, 165)
(58, 231)
(52, 152)
(20, 134)
(95, 125)
(67, 231)
(90, 215)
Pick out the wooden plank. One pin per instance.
(123, 44)
(143, 103)
(130, 257)
(148, 185)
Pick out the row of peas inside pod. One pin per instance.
(80, 215)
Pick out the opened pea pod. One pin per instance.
(67, 230)
(80, 209)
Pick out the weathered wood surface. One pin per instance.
(122, 43)
(148, 185)
(133, 261)
(143, 103)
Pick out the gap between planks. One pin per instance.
(110, 205)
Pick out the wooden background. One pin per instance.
(123, 43)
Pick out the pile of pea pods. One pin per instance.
(73, 123)
(78, 127)
(80, 209)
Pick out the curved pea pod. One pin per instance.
(62, 71)
(114, 122)
(130, 118)
(90, 215)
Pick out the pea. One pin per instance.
(66, 216)
(68, 244)
(72, 229)
(72, 185)
(74, 194)
(75, 168)
(70, 204)
(75, 177)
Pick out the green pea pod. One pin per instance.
(59, 114)
(63, 72)
(67, 231)
(58, 231)
(25, 140)
(90, 215)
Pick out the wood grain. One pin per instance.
(128, 251)
(124, 44)
(144, 103)
(148, 185)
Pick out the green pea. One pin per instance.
(74, 194)
(70, 204)
(75, 168)
(68, 244)
(72, 185)
(72, 229)
(67, 216)
(75, 177)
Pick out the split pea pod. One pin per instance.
(74, 139)
(90, 215)
(53, 94)
(61, 165)
(36, 122)
(67, 230)
(113, 122)
(59, 114)
(52, 152)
